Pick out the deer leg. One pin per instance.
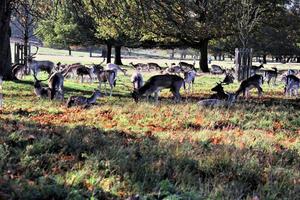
(105, 88)
(111, 88)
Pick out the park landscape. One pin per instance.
(116, 148)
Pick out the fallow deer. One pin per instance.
(271, 74)
(254, 81)
(18, 71)
(292, 85)
(157, 83)
(255, 69)
(37, 66)
(137, 80)
(83, 101)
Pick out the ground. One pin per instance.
(118, 149)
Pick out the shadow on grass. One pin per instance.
(43, 161)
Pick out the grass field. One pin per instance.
(118, 149)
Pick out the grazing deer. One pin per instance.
(216, 69)
(173, 69)
(139, 66)
(18, 71)
(137, 80)
(83, 101)
(254, 81)
(292, 84)
(83, 70)
(154, 66)
(37, 66)
(189, 78)
(271, 74)
(116, 68)
(255, 69)
(157, 83)
(186, 66)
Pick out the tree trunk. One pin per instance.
(1, 93)
(203, 58)
(104, 52)
(5, 54)
(298, 59)
(118, 60)
(108, 53)
(264, 59)
(70, 51)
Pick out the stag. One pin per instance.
(157, 83)
(37, 66)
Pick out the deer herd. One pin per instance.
(168, 77)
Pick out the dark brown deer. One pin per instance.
(271, 74)
(254, 81)
(157, 83)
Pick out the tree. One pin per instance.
(194, 23)
(6, 7)
(113, 23)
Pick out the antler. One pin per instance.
(102, 61)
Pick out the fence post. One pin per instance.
(243, 63)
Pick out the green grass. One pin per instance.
(117, 148)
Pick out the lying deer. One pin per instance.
(271, 74)
(139, 66)
(83, 101)
(157, 83)
(54, 89)
(40, 90)
(254, 81)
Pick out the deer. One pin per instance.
(217, 102)
(105, 76)
(40, 90)
(83, 70)
(56, 84)
(139, 66)
(255, 68)
(271, 74)
(116, 68)
(229, 78)
(157, 83)
(54, 89)
(173, 69)
(154, 66)
(137, 80)
(216, 69)
(189, 78)
(37, 66)
(186, 66)
(83, 101)
(18, 71)
(254, 81)
(292, 84)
